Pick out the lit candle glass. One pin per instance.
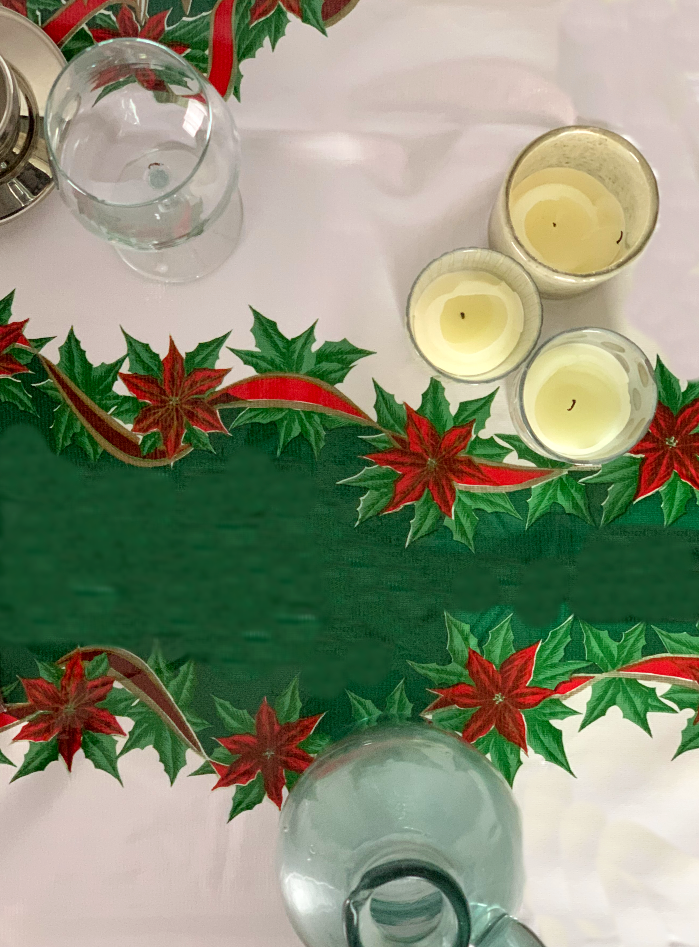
(578, 204)
(474, 314)
(586, 396)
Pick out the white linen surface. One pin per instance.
(365, 155)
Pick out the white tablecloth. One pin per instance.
(366, 154)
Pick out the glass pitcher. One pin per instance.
(403, 835)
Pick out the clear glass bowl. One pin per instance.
(146, 155)
(402, 835)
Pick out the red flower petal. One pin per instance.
(10, 366)
(516, 671)
(295, 759)
(100, 34)
(69, 742)
(180, 49)
(401, 460)
(145, 387)
(456, 439)
(239, 773)
(44, 728)
(202, 415)
(468, 472)
(13, 334)
(688, 418)
(173, 371)
(407, 489)
(656, 469)
(73, 677)
(423, 437)
(126, 22)
(98, 690)
(261, 9)
(239, 743)
(266, 727)
(664, 423)
(459, 695)
(273, 775)
(443, 491)
(686, 463)
(293, 6)
(155, 26)
(152, 418)
(42, 694)
(484, 674)
(98, 720)
(509, 722)
(202, 380)
(480, 723)
(292, 733)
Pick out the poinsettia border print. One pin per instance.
(150, 410)
(216, 40)
(506, 702)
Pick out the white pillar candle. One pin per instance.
(586, 396)
(568, 220)
(474, 314)
(576, 398)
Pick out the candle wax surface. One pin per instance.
(576, 398)
(467, 323)
(568, 220)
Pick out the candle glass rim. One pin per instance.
(477, 379)
(594, 275)
(549, 451)
(6, 116)
(205, 89)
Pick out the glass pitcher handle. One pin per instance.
(507, 932)
(395, 870)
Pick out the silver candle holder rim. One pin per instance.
(648, 173)
(544, 449)
(475, 379)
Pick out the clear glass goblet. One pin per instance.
(146, 155)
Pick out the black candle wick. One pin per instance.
(463, 315)
(572, 406)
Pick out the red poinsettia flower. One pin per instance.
(179, 399)
(12, 334)
(500, 695)
(68, 710)
(127, 26)
(273, 748)
(19, 6)
(671, 444)
(263, 8)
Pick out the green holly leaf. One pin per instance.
(545, 739)
(675, 495)
(622, 474)
(127, 408)
(37, 758)
(377, 442)
(365, 713)
(526, 453)
(316, 743)
(288, 428)
(142, 359)
(96, 381)
(258, 416)
(372, 477)
(564, 491)
(219, 755)
(310, 425)
(452, 718)
(550, 668)
(236, 721)
(6, 308)
(288, 704)
(426, 519)
(190, 31)
(487, 448)
(630, 648)
(600, 648)
(301, 357)
(100, 750)
(181, 684)
(669, 392)
(554, 709)
(118, 701)
(490, 502)
(463, 520)
(442, 675)
(150, 442)
(460, 640)
(247, 797)
(389, 413)
(50, 672)
(270, 340)
(98, 667)
(276, 24)
(690, 739)
(291, 778)
(500, 643)
(398, 707)
(65, 426)
(505, 756)
(312, 13)
(685, 698)
(690, 393)
(374, 502)
(435, 407)
(4, 761)
(678, 642)
(12, 391)
(150, 731)
(477, 411)
(199, 440)
(634, 700)
(205, 355)
(333, 360)
(77, 43)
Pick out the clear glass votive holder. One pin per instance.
(474, 315)
(607, 187)
(585, 397)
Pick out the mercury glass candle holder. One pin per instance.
(585, 397)
(623, 188)
(474, 315)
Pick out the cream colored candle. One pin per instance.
(474, 314)
(568, 220)
(576, 399)
(468, 323)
